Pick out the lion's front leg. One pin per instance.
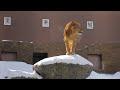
(73, 46)
(67, 47)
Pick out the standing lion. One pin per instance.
(72, 32)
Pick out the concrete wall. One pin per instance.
(110, 55)
(25, 50)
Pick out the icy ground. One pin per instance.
(95, 75)
(10, 69)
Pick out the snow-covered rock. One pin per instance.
(64, 67)
(73, 59)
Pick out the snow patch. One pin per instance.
(95, 75)
(74, 59)
(9, 69)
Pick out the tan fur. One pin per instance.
(71, 33)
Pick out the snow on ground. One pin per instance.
(74, 59)
(9, 69)
(95, 75)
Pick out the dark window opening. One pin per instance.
(39, 56)
(96, 60)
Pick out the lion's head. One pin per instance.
(73, 28)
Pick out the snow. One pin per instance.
(7, 40)
(95, 75)
(9, 69)
(14, 41)
(74, 59)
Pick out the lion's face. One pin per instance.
(76, 27)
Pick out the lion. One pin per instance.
(71, 34)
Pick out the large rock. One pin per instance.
(64, 67)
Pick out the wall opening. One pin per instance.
(8, 56)
(39, 56)
(96, 60)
